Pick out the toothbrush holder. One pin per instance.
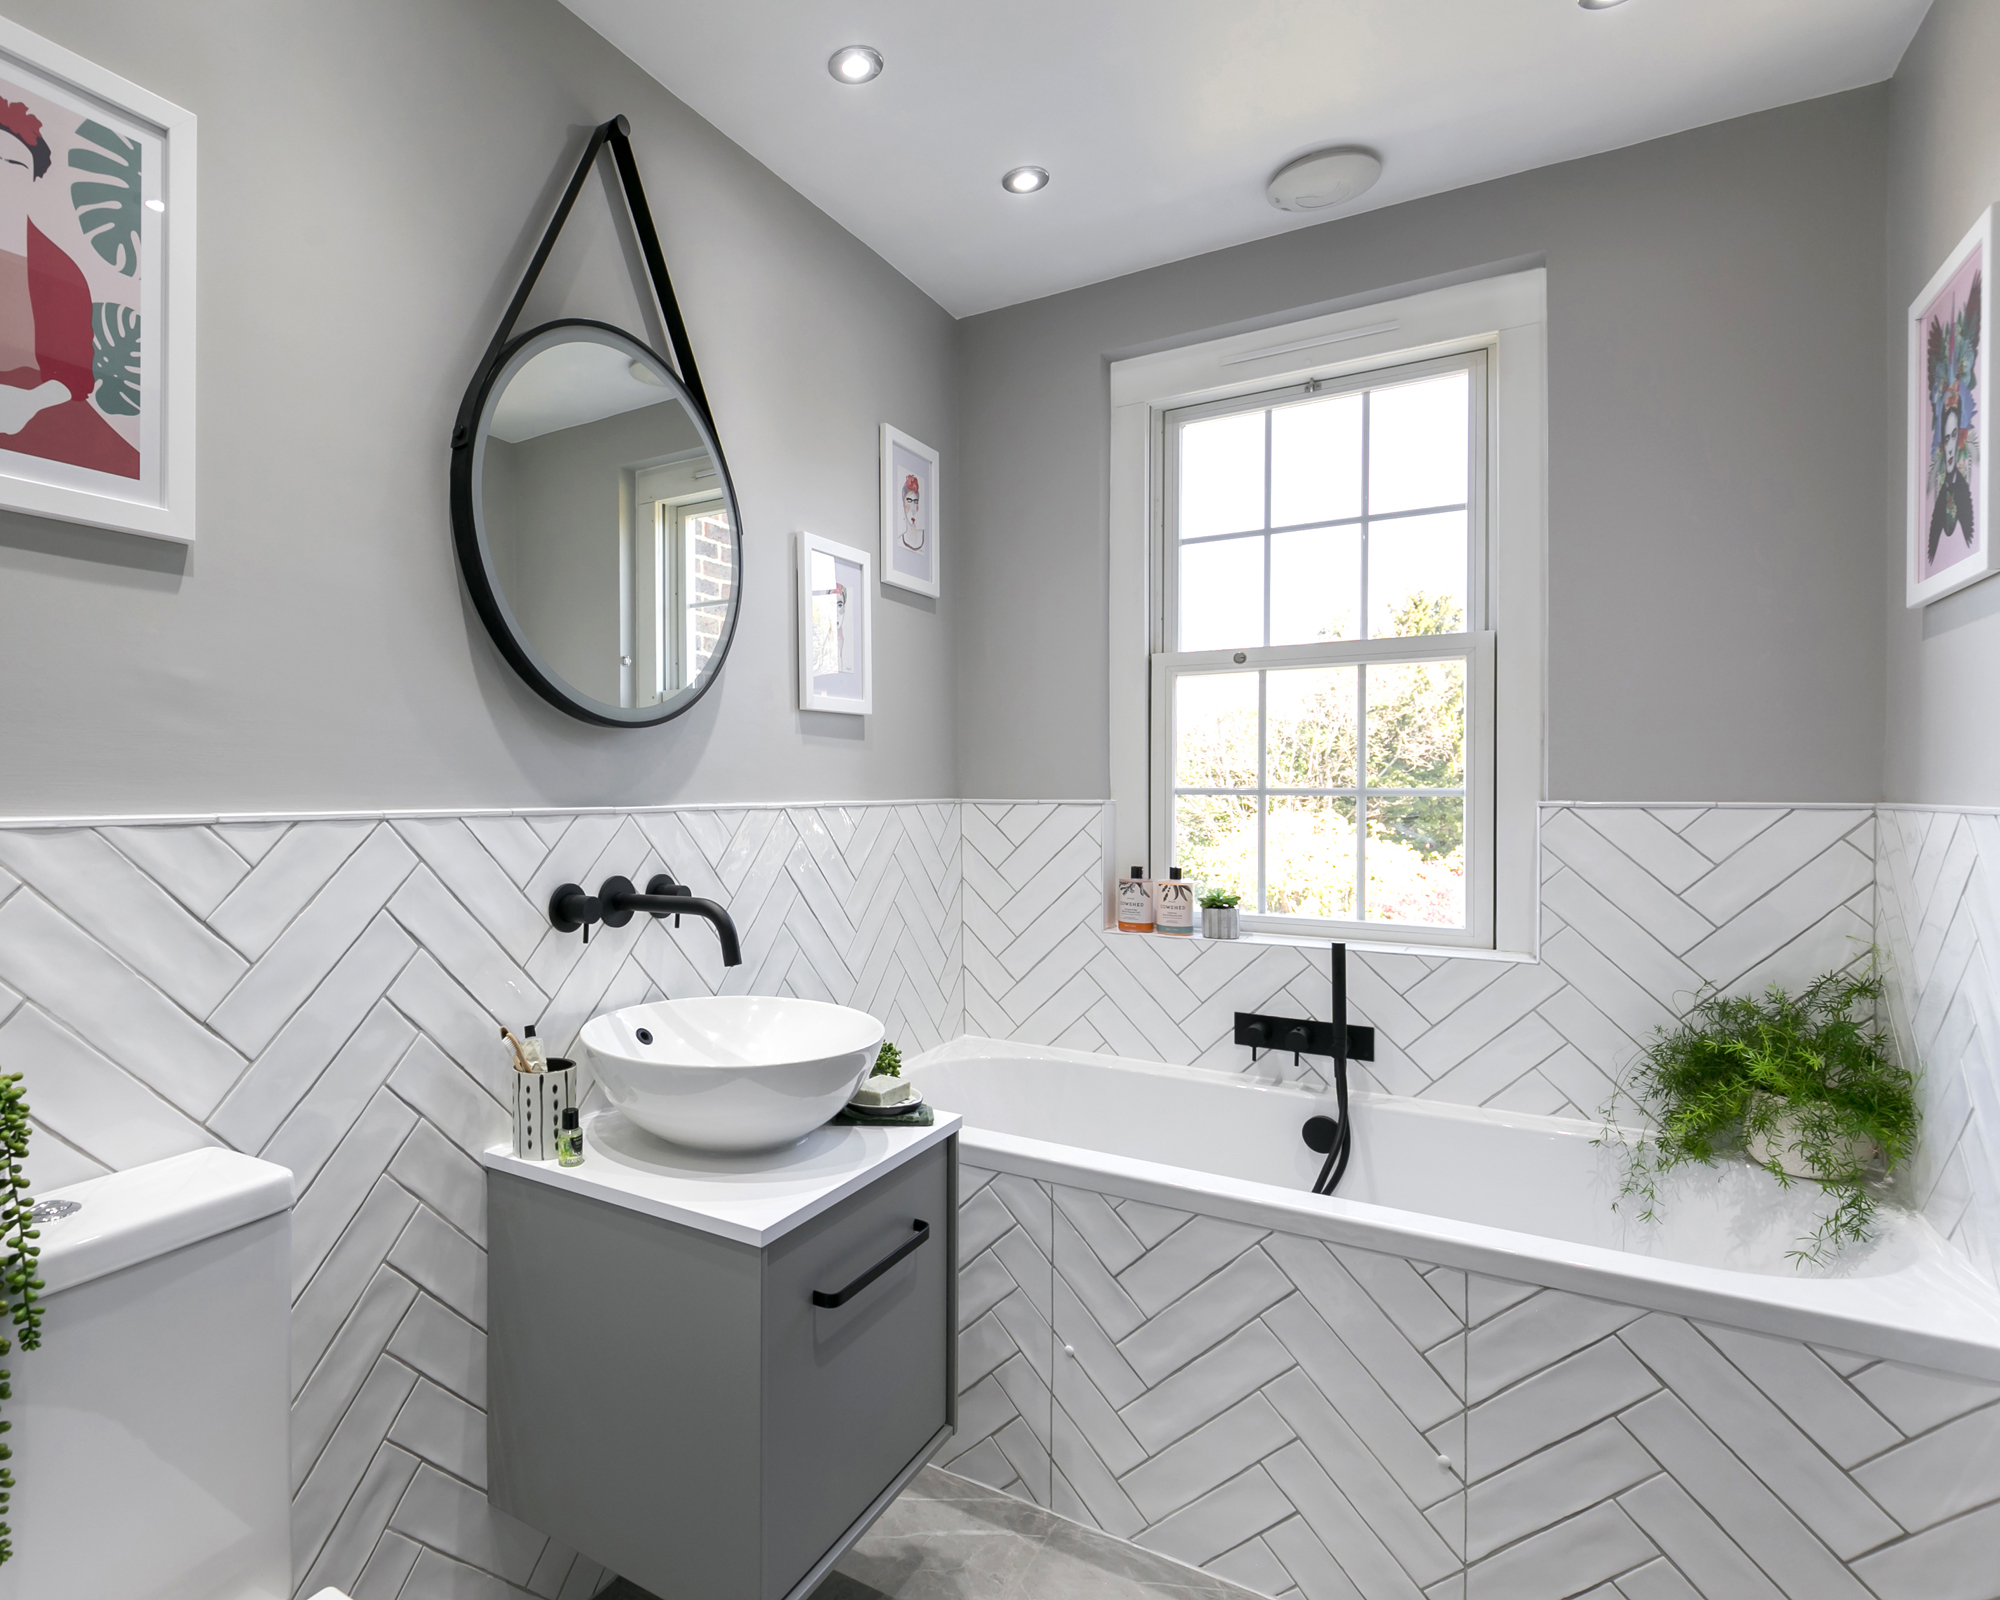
(540, 1099)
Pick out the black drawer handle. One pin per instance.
(822, 1298)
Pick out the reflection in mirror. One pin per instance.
(608, 524)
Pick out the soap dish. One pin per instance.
(901, 1108)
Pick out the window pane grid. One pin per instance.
(1363, 799)
(1309, 844)
(1422, 612)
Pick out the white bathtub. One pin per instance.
(1522, 1197)
(1502, 1380)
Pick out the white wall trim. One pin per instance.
(170, 819)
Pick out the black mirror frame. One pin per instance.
(467, 534)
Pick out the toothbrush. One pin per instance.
(521, 1062)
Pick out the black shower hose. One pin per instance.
(1336, 1158)
(1342, 1141)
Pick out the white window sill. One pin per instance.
(1361, 946)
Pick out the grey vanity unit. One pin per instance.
(712, 1373)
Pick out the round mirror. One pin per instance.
(598, 529)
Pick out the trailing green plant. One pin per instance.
(1221, 900)
(20, 1289)
(888, 1061)
(1810, 1076)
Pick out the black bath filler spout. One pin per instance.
(1331, 1137)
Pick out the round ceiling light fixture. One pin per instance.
(1599, 5)
(854, 63)
(1025, 180)
(1324, 178)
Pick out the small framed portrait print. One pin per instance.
(909, 512)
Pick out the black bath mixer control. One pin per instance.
(1304, 1035)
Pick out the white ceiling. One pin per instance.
(1162, 120)
(567, 385)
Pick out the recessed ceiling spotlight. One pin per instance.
(1324, 178)
(1599, 5)
(855, 63)
(1025, 180)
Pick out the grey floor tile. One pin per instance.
(947, 1538)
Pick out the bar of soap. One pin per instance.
(882, 1090)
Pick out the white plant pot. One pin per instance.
(1221, 922)
(1778, 1145)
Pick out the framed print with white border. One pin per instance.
(836, 627)
(910, 512)
(1950, 467)
(97, 295)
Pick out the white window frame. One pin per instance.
(1505, 317)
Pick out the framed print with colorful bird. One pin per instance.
(1950, 544)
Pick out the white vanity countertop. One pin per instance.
(750, 1198)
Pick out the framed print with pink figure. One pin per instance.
(1950, 468)
(909, 512)
(97, 295)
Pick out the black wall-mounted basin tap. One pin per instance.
(618, 901)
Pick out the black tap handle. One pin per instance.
(571, 908)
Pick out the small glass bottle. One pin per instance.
(569, 1140)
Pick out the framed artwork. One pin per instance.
(1950, 469)
(909, 512)
(97, 295)
(836, 630)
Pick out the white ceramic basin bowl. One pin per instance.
(731, 1072)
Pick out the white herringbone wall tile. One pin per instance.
(1005, 1288)
(1316, 1420)
(1265, 1406)
(1641, 907)
(1609, 1446)
(1939, 917)
(328, 994)
(1262, 1405)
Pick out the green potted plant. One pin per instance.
(1219, 916)
(1806, 1086)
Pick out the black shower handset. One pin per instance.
(1333, 1137)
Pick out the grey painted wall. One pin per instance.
(373, 176)
(1715, 458)
(1944, 169)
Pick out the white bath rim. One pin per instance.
(1933, 1312)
